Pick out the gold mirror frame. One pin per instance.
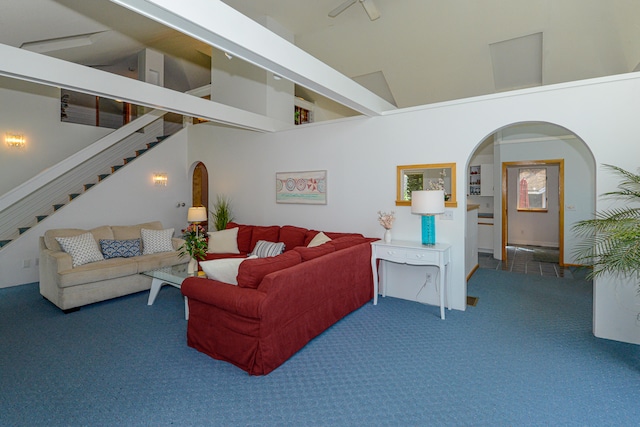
(433, 170)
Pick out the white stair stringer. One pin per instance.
(19, 216)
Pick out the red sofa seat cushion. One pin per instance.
(252, 271)
(315, 251)
(245, 233)
(292, 236)
(209, 257)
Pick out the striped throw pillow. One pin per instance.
(266, 249)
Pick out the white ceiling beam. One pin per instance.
(221, 26)
(24, 65)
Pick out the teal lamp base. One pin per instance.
(428, 230)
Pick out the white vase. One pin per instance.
(387, 236)
(193, 266)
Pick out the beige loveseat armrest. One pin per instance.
(51, 263)
(177, 242)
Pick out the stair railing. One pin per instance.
(46, 192)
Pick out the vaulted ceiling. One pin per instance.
(426, 50)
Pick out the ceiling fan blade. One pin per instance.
(371, 9)
(338, 10)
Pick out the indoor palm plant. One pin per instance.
(612, 239)
(221, 212)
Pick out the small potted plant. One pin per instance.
(221, 212)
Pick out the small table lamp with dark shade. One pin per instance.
(428, 203)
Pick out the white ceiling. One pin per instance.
(427, 50)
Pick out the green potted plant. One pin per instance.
(612, 239)
(221, 212)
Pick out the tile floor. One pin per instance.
(520, 259)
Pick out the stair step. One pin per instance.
(115, 168)
(22, 230)
(56, 207)
(162, 138)
(41, 217)
(129, 159)
(152, 144)
(103, 176)
(88, 186)
(139, 152)
(4, 242)
(73, 196)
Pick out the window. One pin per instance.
(532, 190)
(438, 176)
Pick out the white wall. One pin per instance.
(361, 154)
(127, 197)
(34, 110)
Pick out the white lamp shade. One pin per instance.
(197, 214)
(427, 202)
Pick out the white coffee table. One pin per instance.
(173, 276)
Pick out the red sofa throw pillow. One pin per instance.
(252, 271)
(244, 236)
(330, 234)
(268, 233)
(315, 251)
(292, 236)
(346, 242)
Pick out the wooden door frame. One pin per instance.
(553, 162)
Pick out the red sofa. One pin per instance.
(280, 303)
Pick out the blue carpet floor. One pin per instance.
(525, 355)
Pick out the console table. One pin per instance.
(412, 253)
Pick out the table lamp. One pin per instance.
(197, 215)
(428, 203)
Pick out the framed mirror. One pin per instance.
(433, 176)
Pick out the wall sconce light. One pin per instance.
(160, 179)
(14, 140)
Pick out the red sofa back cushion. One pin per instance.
(252, 271)
(268, 233)
(292, 236)
(244, 236)
(315, 251)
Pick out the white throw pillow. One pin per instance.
(83, 248)
(319, 239)
(154, 241)
(223, 270)
(224, 241)
(266, 249)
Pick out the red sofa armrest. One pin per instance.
(242, 301)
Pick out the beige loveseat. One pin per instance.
(69, 286)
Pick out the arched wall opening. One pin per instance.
(200, 187)
(532, 143)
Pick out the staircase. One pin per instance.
(43, 197)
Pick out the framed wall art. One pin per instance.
(309, 187)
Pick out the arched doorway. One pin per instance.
(530, 143)
(200, 188)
